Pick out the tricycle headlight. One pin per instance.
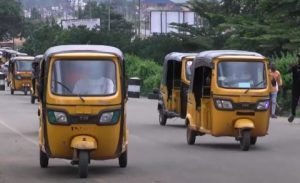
(223, 104)
(57, 117)
(18, 77)
(263, 105)
(109, 117)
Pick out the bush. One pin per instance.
(147, 70)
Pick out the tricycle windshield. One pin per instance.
(24, 66)
(242, 74)
(83, 77)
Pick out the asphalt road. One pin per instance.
(156, 154)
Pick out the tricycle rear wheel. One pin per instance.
(123, 160)
(162, 118)
(44, 159)
(32, 100)
(253, 140)
(83, 164)
(245, 140)
(190, 136)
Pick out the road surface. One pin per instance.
(156, 154)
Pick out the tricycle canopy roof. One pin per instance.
(82, 48)
(23, 58)
(38, 58)
(176, 56)
(206, 58)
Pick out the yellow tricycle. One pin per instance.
(35, 78)
(229, 96)
(82, 107)
(19, 74)
(174, 86)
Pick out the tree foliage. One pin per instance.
(268, 26)
(10, 19)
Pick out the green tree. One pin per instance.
(10, 19)
(266, 26)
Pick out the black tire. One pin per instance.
(186, 123)
(253, 140)
(25, 91)
(245, 140)
(162, 118)
(123, 160)
(83, 164)
(32, 99)
(44, 159)
(12, 91)
(190, 136)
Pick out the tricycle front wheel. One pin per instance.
(245, 140)
(25, 91)
(83, 164)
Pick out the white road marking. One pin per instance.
(19, 133)
(23, 136)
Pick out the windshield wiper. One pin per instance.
(257, 84)
(69, 90)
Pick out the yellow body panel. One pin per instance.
(21, 84)
(174, 103)
(209, 119)
(103, 139)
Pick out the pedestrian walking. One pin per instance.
(276, 85)
(295, 70)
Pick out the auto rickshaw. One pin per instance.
(82, 105)
(19, 74)
(229, 96)
(35, 78)
(174, 85)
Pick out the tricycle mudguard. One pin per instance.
(244, 124)
(84, 142)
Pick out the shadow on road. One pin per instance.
(176, 125)
(228, 146)
(72, 171)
